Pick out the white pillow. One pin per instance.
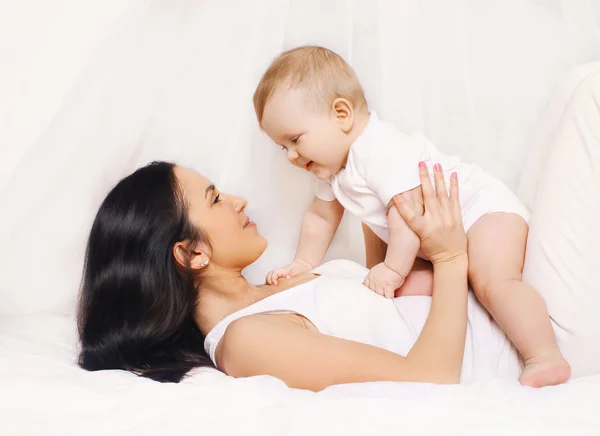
(562, 260)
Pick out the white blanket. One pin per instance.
(44, 392)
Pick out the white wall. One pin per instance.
(91, 90)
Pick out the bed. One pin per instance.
(44, 392)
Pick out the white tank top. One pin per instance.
(339, 305)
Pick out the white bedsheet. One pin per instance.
(44, 392)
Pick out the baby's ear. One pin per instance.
(344, 113)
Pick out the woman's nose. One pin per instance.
(239, 203)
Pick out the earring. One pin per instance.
(204, 263)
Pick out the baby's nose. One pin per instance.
(292, 155)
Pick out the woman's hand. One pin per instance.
(439, 226)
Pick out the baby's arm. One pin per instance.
(375, 248)
(319, 225)
(403, 246)
(420, 278)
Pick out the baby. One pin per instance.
(310, 102)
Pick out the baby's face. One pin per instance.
(311, 138)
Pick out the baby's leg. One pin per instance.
(496, 253)
(419, 281)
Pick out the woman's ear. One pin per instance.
(198, 259)
(344, 113)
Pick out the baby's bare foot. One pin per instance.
(551, 369)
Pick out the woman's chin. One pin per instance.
(264, 245)
(250, 250)
(260, 249)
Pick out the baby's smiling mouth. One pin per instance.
(309, 165)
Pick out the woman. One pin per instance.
(165, 255)
(163, 273)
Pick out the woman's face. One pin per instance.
(234, 239)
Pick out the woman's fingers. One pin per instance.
(440, 227)
(454, 199)
(429, 199)
(411, 212)
(440, 209)
(440, 187)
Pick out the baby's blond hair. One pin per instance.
(323, 73)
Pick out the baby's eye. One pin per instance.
(283, 148)
(295, 140)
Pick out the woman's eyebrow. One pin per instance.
(209, 189)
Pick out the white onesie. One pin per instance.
(383, 162)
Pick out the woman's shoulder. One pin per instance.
(246, 335)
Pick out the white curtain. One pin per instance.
(91, 90)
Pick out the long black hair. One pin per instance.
(136, 306)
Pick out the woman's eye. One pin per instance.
(216, 199)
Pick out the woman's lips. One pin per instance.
(249, 223)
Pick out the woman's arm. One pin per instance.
(267, 344)
(305, 359)
(444, 332)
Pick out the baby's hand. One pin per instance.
(298, 266)
(383, 280)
